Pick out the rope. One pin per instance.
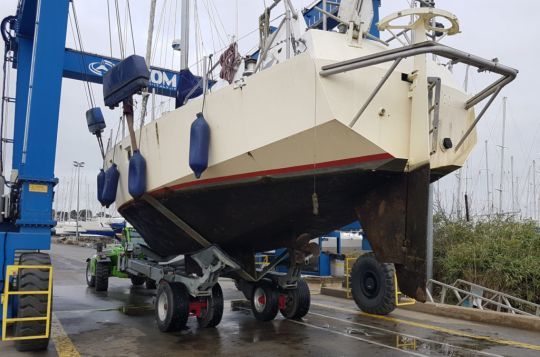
(229, 60)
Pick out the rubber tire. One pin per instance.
(137, 280)
(150, 284)
(178, 297)
(102, 276)
(271, 307)
(383, 300)
(298, 301)
(92, 281)
(214, 312)
(32, 305)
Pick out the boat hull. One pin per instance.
(258, 213)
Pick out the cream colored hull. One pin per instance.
(287, 117)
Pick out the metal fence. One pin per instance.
(467, 294)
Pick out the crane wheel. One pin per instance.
(32, 305)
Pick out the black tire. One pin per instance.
(211, 317)
(90, 279)
(264, 301)
(138, 280)
(102, 276)
(373, 286)
(171, 306)
(32, 305)
(297, 301)
(150, 284)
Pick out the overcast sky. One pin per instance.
(504, 29)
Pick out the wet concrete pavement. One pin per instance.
(120, 322)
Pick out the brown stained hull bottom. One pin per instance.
(269, 213)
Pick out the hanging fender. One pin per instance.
(111, 185)
(100, 186)
(137, 175)
(199, 145)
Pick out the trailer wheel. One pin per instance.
(171, 306)
(102, 276)
(32, 305)
(211, 317)
(137, 280)
(90, 279)
(264, 301)
(297, 301)
(373, 286)
(150, 284)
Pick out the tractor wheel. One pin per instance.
(211, 317)
(150, 284)
(32, 305)
(373, 286)
(90, 279)
(138, 280)
(102, 276)
(264, 301)
(297, 301)
(171, 306)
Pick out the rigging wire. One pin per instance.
(158, 32)
(81, 48)
(125, 30)
(131, 27)
(86, 93)
(119, 30)
(110, 30)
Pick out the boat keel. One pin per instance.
(394, 218)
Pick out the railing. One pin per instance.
(474, 295)
(12, 270)
(429, 47)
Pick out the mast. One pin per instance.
(502, 157)
(512, 176)
(460, 171)
(184, 35)
(487, 179)
(517, 196)
(534, 190)
(148, 54)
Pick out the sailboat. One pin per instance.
(326, 123)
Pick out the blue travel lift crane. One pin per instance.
(35, 45)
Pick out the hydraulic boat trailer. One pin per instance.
(188, 284)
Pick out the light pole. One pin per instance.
(78, 166)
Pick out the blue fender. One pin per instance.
(199, 145)
(112, 176)
(137, 175)
(100, 186)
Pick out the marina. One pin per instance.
(283, 178)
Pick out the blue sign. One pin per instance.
(91, 67)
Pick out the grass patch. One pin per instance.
(499, 253)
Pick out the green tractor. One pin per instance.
(110, 261)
